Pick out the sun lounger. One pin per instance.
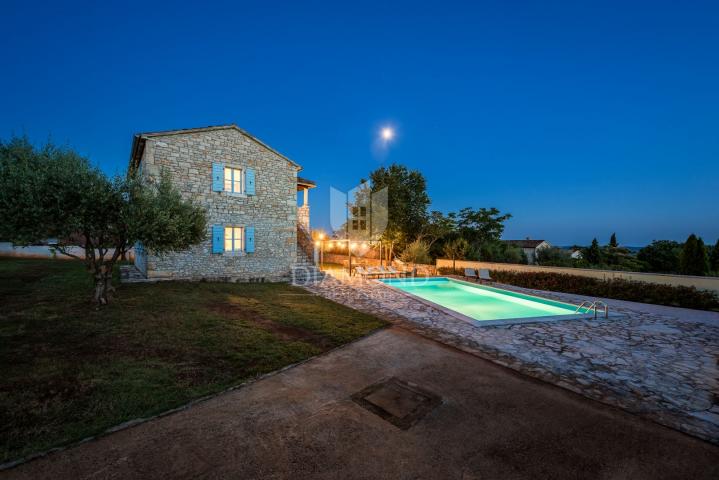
(470, 273)
(387, 272)
(393, 271)
(484, 275)
(374, 272)
(361, 272)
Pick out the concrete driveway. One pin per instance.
(337, 417)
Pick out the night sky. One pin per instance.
(579, 118)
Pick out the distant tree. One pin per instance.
(481, 226)
(555, 257)
(498, 251)
(407, 201)
(439, 226)
(693, 259)
(513, 254)
(593, 254)
(455, 250)
(53, 192)
(661, 256)
(714, 259)
(613, 241)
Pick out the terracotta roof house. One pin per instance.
(249, 191)
(530, 247)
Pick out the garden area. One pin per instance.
(71, 370)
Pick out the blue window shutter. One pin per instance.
(218, 239)
(218, 177)
(250, 181)
(249, 239)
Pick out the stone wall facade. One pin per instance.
(303, 217)
(188, 157)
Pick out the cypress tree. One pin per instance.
(594, 253)
(613, 241)
(714, 259)
(693, 260)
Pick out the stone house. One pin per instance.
(250, 192)
(530, 247)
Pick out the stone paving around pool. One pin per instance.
(658, 362)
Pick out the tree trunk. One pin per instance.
(103, 284)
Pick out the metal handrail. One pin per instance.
(606, 308)
(593, 306)
(582, 305)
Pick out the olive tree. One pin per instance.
(455, 250)
(53, 192)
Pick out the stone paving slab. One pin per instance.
(657, 362)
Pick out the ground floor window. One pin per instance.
(234, 239)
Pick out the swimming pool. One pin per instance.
(487, 305)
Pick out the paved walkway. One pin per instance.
(658, 362)
(489, 423)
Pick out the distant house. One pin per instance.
(576, 254)
(530, 247)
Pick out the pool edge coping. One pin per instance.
(504, 321)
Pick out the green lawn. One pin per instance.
(69, 370)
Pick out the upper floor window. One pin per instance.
(233, 180)
(234, 237)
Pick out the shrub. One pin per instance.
(619, 289)
(416, 252)
(555, 257)
(661, 256)
(500, 252)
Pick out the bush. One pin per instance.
(661, 256)
(554, 257)
(416, 252)
(618, 289)
(500, 252)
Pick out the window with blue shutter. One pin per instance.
(250, 181)
(249, 239)
(218, 232)
(218, 172)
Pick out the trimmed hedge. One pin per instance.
(618, 289)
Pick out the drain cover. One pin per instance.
(400, 403)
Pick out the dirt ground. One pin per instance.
(427, 411)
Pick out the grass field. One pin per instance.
(69, 370)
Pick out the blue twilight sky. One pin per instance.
(580, 118)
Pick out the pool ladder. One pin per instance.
(593, 306)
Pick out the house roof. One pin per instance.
(138, 141)
(525, 243)
(305, 183)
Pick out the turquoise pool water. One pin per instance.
(481, 302)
